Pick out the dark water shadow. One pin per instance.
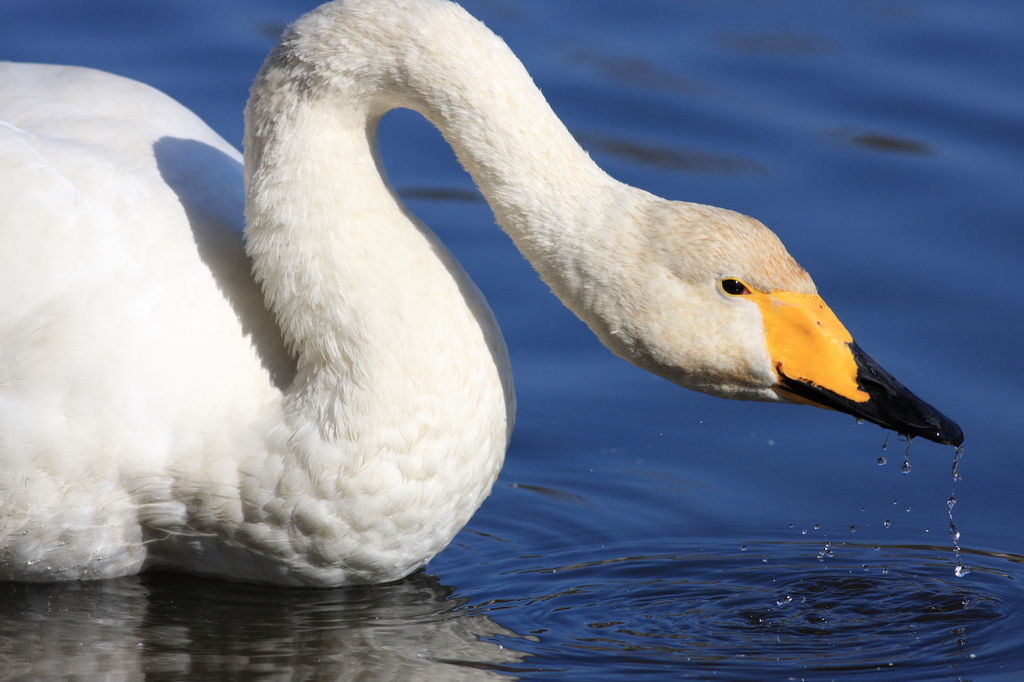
(636, 72)
(198, 174)
(880, 142)
(681, 160)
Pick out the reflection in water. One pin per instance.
(636, 71)
(170, 625)
(723, 611)
(881, 142)
(687, 160)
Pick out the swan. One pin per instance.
(326, 399)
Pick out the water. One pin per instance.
(639, 530)
(961, 569)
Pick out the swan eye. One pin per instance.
(734, 287)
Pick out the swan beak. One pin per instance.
(818, 363)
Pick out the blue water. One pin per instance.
(639, 530)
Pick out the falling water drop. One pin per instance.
(961, 569)
(957, 454)
(881, 461)
(906, 453)
(887, 523)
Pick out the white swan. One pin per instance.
(149, 412)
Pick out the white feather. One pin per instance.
(149, 412)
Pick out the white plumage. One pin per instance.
(341, 426)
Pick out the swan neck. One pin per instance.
(358, 60)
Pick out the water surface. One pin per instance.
(639, 529)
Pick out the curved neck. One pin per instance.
(312, 121)
(403, 382)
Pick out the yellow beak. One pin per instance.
(818, 363)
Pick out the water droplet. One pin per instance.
(908, 509)
(817, 526)
(784, 600)
(906, 453)
(881, 461)
(885, 571)
(860, 421)
(853, 529)
(825, 552)
(887, 523)
(961, 569)
(743, 548)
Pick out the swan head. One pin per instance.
(715, 303)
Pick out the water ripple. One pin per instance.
(774, 607)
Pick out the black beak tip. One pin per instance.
(947, 432)
(895, 407)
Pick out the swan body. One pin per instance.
(326, 399)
